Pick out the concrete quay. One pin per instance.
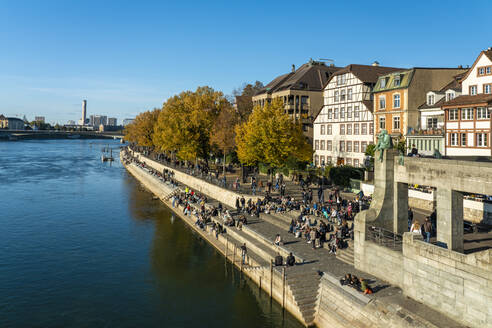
(310, 290)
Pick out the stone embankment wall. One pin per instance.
(223, 195)
(457, 284)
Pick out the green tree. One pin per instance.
(271, 137)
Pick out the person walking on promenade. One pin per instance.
(427, 229)
(238, 206)
(290, 260)
(410, 218)
(244, 251)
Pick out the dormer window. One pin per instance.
(449, 96)
(383, 83)
(430, 99)
(396, 81)
(481, 71)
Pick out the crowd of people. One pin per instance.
(361, 284)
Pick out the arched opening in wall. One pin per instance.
(422, 207)
(477, 219)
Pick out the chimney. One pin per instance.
(460, 66)
(376, 63)
(293, 68)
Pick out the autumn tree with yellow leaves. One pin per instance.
(185, 123)
(223, 132)
(271, 137)
(141, 130)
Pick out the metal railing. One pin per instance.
(384, 238)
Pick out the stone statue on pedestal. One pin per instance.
(384, 142)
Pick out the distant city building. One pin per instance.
(112, 121)
(83, 120)
(39, 119)
(96, 120)
(11, 123)
(301, 92)
(70, 122)
(467, 117)
(127, 121)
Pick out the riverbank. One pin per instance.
(310, 291)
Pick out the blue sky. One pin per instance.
(125, 57)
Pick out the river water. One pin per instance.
(82, 244)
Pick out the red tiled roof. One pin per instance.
(469, 100)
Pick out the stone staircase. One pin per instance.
(304, 287)
(347, 254)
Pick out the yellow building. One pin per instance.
(4, 122)
(398, 95)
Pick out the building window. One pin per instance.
(328, 129)
(382, 102)
(483, 113)
(336, 96)
(430, 99)
(382, 83)
(349, 128)
(363, 146)
(356, 128)
(396, 123)
(342, 145)
(342, 128)
(322, 129)
(488, 70)
(463, 139)
(341, 79)
(449, 96)
(453, 115)
(481, 139)
(487, 88)
(316, 160)
(364, 128)
(349, 161)
(322, 145)
(382, 123)
(316, 145)
(342, 95)
(349, 112)
(349, 94)
(356, 111)
(432, 122)
(473, 90)
(371, 128)
(397, 81)
(454, 139)
(335, 113)
(396, 100)
(342, 112)
(466, 114)
(328, 145)
(481, 71)
(349, 146)
(322, 160)
(356, 146)
(330, 112)
(356, 162)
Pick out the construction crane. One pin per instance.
(331, 61)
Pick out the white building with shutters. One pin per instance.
(345, 125)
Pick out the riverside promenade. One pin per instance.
(310, 290)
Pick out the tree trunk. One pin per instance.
(224, 164)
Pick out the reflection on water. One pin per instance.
(84, 245)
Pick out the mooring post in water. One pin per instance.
(227, 247)
(283, 287)
(234, 255)
(271, 279)
(260, 284)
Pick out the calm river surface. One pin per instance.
(83, 245)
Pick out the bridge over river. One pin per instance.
(53, 134)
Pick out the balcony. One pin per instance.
(438, 132)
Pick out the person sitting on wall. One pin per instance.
(355, 282)
(279, 260)
(345, 281)
(290, 260)
(364, 287)
(278, 240)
